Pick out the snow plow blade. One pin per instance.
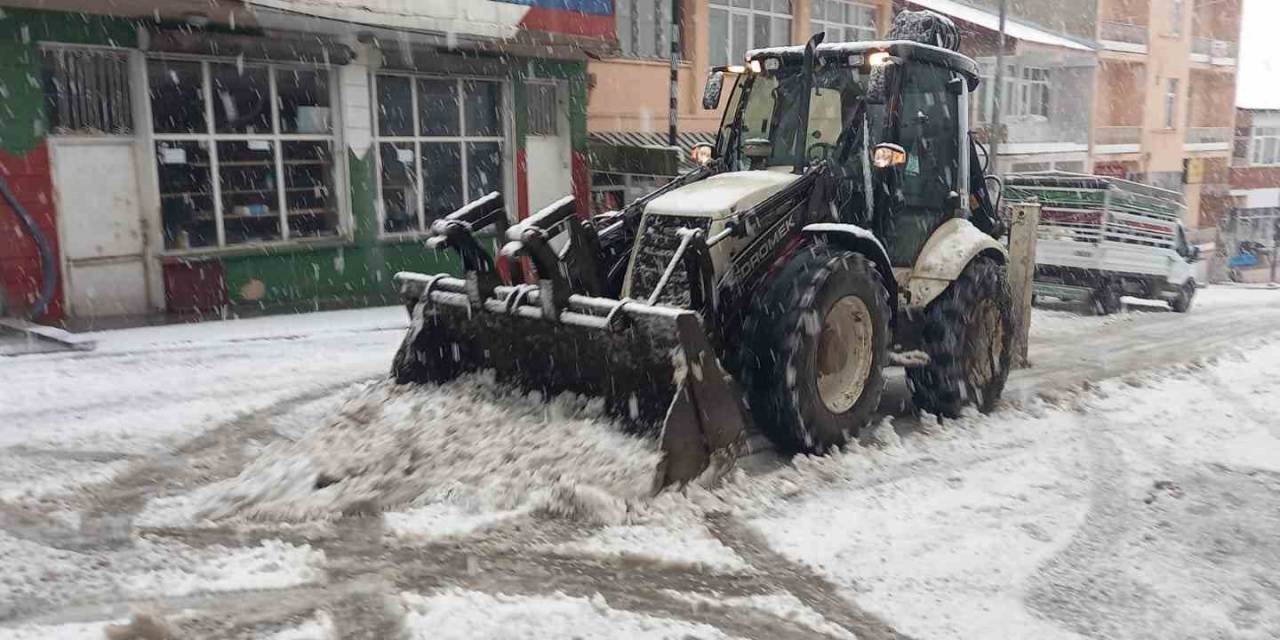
(653, 365)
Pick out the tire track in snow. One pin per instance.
(1063, 589)
(811, 588)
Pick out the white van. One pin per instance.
(1102, 238)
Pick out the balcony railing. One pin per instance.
(1108, 136)
(1133, 34)
(1210, 135)
(1214, 49)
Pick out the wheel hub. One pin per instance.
(844, 353)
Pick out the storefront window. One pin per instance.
(244, 153)
(177, 97)
(450, 153)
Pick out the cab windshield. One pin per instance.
(770, 104)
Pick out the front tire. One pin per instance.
(1106, 299)
(968, 334)
(815, 351)
(1186, 293)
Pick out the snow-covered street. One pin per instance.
(259, 478)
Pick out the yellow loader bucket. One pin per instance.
(653, 365)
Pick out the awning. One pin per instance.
(991, 21)
(643, 152)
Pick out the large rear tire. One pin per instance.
(815, 350)
(968, 334)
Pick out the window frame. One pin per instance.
(626, 17)
(751, 13)
(505, 143)
(1029, 99)
(128, 93)
(826, 24)
(212, 138)
(1171, 88)
(1023, 95)
(1264, 146)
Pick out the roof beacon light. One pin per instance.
(878, 58)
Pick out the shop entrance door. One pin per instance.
(547, 146)
(100, 220)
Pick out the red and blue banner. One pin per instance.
(588, 18)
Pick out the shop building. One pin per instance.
(212, 158)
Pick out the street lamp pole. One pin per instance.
(997, 95)
(675, 61)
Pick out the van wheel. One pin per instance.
(1106, 299)
(968, 334)
(1186, 294)
(814, 352)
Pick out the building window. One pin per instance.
(244, 152)
(87, 91)
(1033, 94)
(740, 25)
(440, 144)
(1170, 103)
(544, 111)
(1175, 17)
(1264, 147)
(644, 28)
(1027, 92)
(844, 21)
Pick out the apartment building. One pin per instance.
(628, 101)
(224, 156)
(1165, 101)
(1048, 80)
(1250, 229)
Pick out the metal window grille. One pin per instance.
(87, 91)
(542, 110)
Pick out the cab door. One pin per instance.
(926, 122)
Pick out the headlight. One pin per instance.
(700, 154)
(888, 155)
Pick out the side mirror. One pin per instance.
(711, 94)
(1195, 254)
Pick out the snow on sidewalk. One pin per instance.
(70, 418)
(164, 380)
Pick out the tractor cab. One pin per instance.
(888, 120)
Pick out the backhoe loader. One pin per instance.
(841, 223)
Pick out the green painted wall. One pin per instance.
(22, 120)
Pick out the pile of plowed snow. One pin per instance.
(472, 442)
